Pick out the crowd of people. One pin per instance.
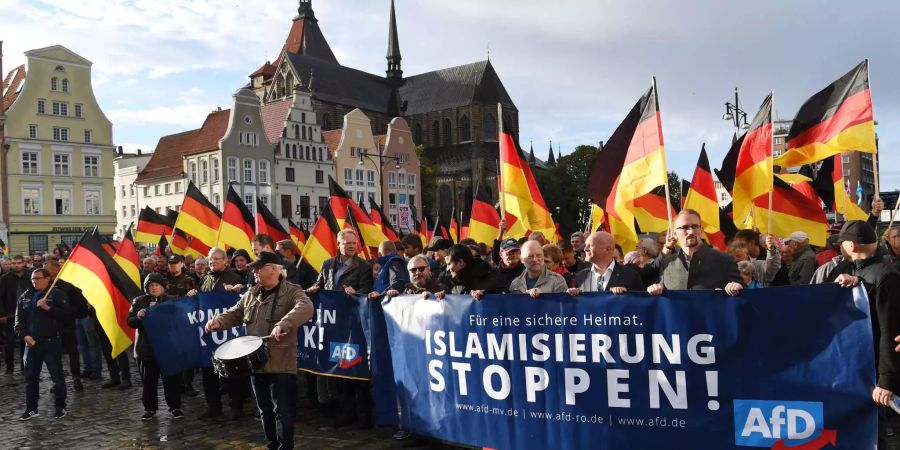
(42, 326)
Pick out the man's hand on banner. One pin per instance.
(882, 396)
(656, 289)
(438, 295)
(213, 325)
(191, 293)
(734, 288)
(476, 294)
(391, 293)
(846, 281)
(618, 290)
(312, 290)
(349, 290)
(534, 292)
(573, 291)
(374, 295)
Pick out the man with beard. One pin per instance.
(510, 266)
(421, 279)
(892, 255)
(694, 265)
(536, 279)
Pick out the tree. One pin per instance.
(427, 179)
(675, 193)
(566, 187)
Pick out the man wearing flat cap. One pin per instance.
(804, 258)
(862, 264)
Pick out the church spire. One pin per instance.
(305, 11)
(393, 53)
(551, 160)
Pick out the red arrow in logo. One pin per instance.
(825, 438)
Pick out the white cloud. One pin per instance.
(187, 116)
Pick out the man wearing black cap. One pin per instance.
(179, 283)
(882, 283)
(438, 249)
(510, 266)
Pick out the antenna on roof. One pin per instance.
(489, 50)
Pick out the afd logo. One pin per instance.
(345, 354)
(772, 423)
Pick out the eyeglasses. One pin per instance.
(689, 227)
(417, 269)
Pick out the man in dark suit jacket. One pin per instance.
(694, 265)
(603, 273)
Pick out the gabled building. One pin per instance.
(126, 167)
(452, 112)
(58, 167)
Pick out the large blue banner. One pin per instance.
(175, 330)
(333, 342)
(771, 368)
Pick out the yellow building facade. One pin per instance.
(59, 163)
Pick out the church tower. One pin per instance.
(393, 53)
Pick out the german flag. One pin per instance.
(362, 247)
(322, 243)
(836, 119)
(128, 259)
(340, 202)
(162, 245)
(151, 226)
(701, 197)
(454, 228)
(198, 218)
(107, 244)
(729, 164)
(267, 223)
(106, 287)
(650, 211)
(754, 174)
(3, 247)
(631, 165)
(379, 219)
(521, 196)
(598, 217)
(828, 183)
(236, 228)
(182, 244)
(793, 211)
(298, 234)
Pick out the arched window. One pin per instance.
(465, 129)
(417, 134)
(296, 131)
(446, 138)
(289, 84)
(310, 133)
(287, 150)
(294, 153)
(320, 153)
(65, 85)
(303, 117)
(326, 122)
(435, 133)
(54, 84)
(490, 128)
(303, 133)
(307, 152)
(509, 125)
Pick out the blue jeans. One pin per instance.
(49, 352)
(89, 345)
(276, 397)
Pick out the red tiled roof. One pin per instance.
(267, 70)
(167, 158)
(332, 140)
(11, 84)
(380, 140)
(274, 114)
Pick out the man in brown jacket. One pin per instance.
(277, 309)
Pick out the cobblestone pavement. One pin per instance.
(110, 418)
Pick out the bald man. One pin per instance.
(604, 274)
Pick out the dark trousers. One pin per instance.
(49, 352)
(70, 346)
(119, 368)
(150, 375)
(237, 388)
(276, 397)
(9, 343)
(888, 429)
(356, 399)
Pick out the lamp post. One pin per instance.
(363, 153)
(734, 113)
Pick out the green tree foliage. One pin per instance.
(565, 186)
(427, 180)
(675, 193)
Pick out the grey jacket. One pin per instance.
(803, 267)
(548, 283)
(764, 271)
(709, 269)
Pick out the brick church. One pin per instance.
(452, 112)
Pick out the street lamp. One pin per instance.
(734, 113)
(363, 153)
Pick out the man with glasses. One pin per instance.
(37, 261)
(38, 314)
(693, 265)
(421, 280)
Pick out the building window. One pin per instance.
(411, 180)
(303, 133)
(294, 153)
(353, 152)
(133, 210)
(156, 189)
(192, 172)
(65, 85)
(248, 200)
(42, 106)
(215, 169)
(348, 178)
(403, 158)
(29, 163)
(307, 153)
(131, 190)
(412, 200)
(217, 201)
(448, 133)
(31, 200)
(248, 171)
(845, 159)
(60, 134)
(320, 177)
(54, 84)
(392, 180)
(304, 207)
(289, 174)
(303, 117)
(323, 203)
(359, 178)
(435, 133)
(60, 109)
(88, 136)
(146, 191)
(465, 129)
(32, 131)
(490, 128)
(61, 164)
(264, 172)
(79, 111)
(846, 172)
(123, 191)
(401, 180)
(232, 169)
(264, 199)
(204, 171)
(38, 243)
(167, 188)
(62, 201)
(92, 202)
(92, 168)
(370, 178)
(177, 187)
(321, 154)
(359, 197)
(392, 200)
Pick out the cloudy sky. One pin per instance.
(573, 68)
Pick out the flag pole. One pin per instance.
(771, 163)
(500, 161)
(875, 195)
(893, 213)
(665, 168)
